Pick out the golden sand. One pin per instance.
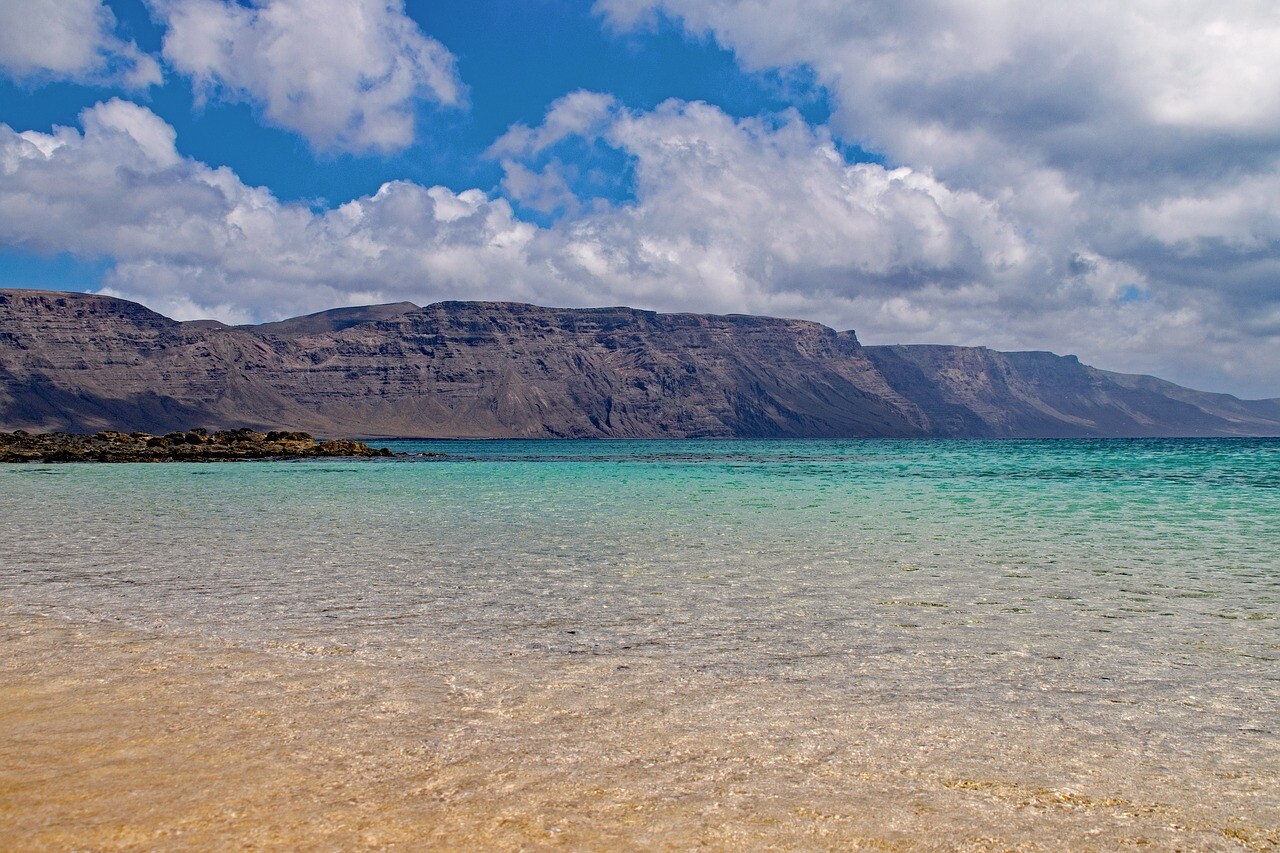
(115, 740)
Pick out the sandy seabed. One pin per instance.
(114, 739)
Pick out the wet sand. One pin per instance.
(112, 739)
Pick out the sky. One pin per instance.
(1091, 178)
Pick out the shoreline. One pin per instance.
(119, 739)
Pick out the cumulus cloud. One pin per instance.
(1062, 82)
(546, 190)
(42, 40)
(196, 240)
(1241, 214)
(729, 215)
(346, 74)
(760, 214)
(1061, 107)
(738, 213)
(579, 114)
(547, 187)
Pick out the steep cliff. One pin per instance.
(85, 362)
(973, 391)
(501, 369)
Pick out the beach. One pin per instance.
(493, 652)
(118, 741)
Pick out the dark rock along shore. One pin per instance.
(194, 445)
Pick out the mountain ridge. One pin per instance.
(74, 361)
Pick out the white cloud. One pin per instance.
(151, 135)
(1021, 72)
(579, 113)
(1242, 214)
(346, 74)
(742, 211)
(194, 239)
(546, 191)
(728, 216)
(70, 40)
(1071, 113)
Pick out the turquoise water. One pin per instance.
(1139, 553)
(1123, 590)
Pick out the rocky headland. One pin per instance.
(80, 362)
(194, 445)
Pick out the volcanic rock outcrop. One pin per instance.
(194, 445)
(82, 362)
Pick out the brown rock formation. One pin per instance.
(194, 445)
(73, 361)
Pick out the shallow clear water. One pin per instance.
(1123, 590)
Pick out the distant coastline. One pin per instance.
(78, 362)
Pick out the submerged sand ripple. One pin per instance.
(111, 739)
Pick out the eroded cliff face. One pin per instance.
(86, 362)
(76, 361)
(973, 391)
(484, 369)
(501, 369)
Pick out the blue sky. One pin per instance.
(563, 41)
(1083, 180)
